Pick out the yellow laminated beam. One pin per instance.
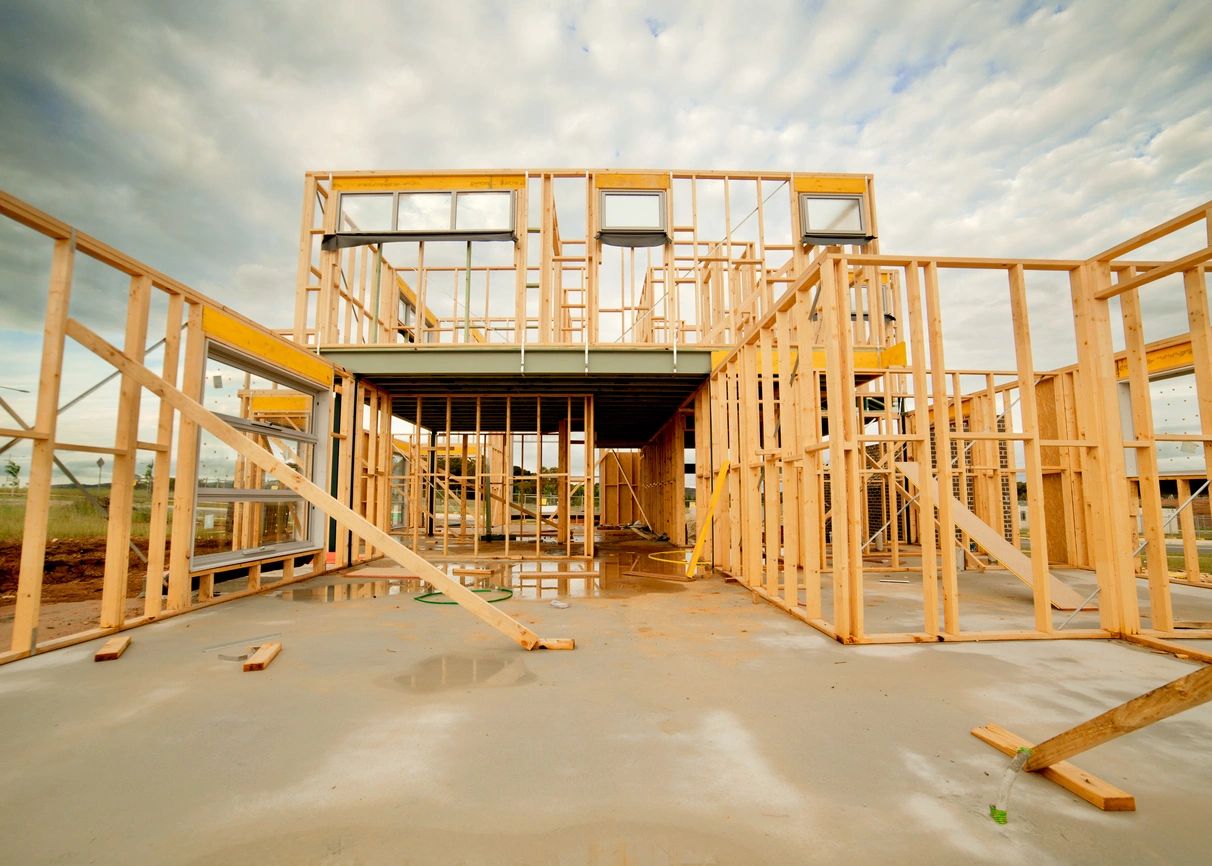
(823, 183)
(864, 359)
(621, 180)
(1160, 360)
(268, 347)
(280, 404)
(436, 182)
(403, 444)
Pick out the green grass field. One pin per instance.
(1177, 563)
(72, 515)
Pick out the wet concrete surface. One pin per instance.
(445, 671)
(690, 726)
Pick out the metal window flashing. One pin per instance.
(264, 427)
(225, 561)
(342, 240)
(633, 238)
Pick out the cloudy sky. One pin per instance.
(180, 131)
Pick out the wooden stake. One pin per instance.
(153, 591)
(1040, 577)
(122, 478)
(942, 452)
(185, 488)
(1161, 615)
(37, 500)
(921, 417)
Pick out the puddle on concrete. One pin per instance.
(613, 574)
(607, 578)
(460, 670)
(610, 575)
(351, 591)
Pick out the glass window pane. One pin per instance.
(484, 211)
(424, 212)
(231, 390)
(626, 210)
(282, 407)
(230, 527)
(365, 213)
(219, 466)
(833, 215)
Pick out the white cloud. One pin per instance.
(181, 133)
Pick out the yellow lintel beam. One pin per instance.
(436, 182)
(230, 331)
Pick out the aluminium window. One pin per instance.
(366, 213)
(242, 512)
(638, 210)
(420, 211)
(430, 212)
(832, 218)
(633, 218)
(483, 211)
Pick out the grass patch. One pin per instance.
(72, 515)
(1177, 563)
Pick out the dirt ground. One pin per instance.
(73, 572)
(71, 590)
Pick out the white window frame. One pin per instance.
(454, 207)
(317, 522)
(808, 229)
(659, 194)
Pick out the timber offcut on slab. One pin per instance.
(557, 643)
(263, 657)
(1090, 788)
(112, 649)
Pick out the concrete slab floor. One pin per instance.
(688, 727)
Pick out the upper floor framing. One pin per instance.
(563, 257)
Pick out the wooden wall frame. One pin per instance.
(854, 450)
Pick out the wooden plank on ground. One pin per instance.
(1090, 788)
(112, 649)
(1181, 650)
(1143, 710)
(1011, 558)
(263, 657)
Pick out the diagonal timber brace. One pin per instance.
(342, 514)
(1061, 595)
(1050, 758)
